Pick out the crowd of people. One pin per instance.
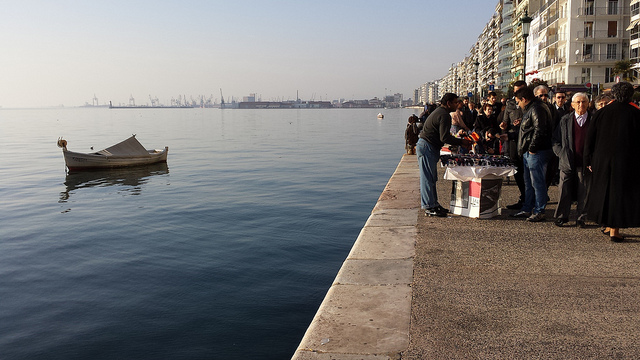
(584, 146)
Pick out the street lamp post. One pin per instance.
(526, 23)
(477, 64)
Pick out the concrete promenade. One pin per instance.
(415, 287)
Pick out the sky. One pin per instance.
(62, 53)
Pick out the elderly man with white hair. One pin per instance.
(568, 144)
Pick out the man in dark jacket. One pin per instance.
(534, 145)
(510, 126)
(542, 92)
(435, 133)
(610, 154)
(560, 103)
(568, 144)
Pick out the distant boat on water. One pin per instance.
(380, 116)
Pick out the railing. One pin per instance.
(599, 34)
(544, 7)
(550, 40)
(505, 52)
(551, 20)
(544, 64)
(604, 10)
(549, 62)
(587, 58)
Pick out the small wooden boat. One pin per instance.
(126, 153)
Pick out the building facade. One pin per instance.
(570, 42)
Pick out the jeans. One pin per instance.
(535, 184)
(428, 156)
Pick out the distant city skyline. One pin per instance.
(65, 52)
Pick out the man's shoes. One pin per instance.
(580, 223)
(441, 209)
(560, 221)
(516, 206)
(536, 217)
(521, 214)
(434, 211)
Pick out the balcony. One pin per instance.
(600, 34)
(550, 62)
(549, 21)
(603, 10)
(550, 40)
(591, 58)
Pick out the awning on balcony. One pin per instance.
(633, 24)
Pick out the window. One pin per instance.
(612, 9)
(588, 7)
(612, 29)
(608, 75)
(588, 29)
(611, 51)
(586, 75)
(587, 51)
(635, 9)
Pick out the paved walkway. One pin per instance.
(499, 288)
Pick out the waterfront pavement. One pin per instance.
(417, 287)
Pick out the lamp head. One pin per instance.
(526, 23)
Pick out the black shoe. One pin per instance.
(521, 214)
(580, 223)
(516, 206)
(617, 238)
(441, 209)
(560, 221)
(435, 212)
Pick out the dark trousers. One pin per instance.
(573, 185)
(511, 149)
(519, 177)
(552, 170)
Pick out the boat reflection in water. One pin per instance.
(132, 178)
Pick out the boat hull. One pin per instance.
(82, 161)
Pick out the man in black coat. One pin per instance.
(610, 154)
(534, 145)
(568, 145)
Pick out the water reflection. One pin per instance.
(132, 178)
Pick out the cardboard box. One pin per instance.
(478, 198)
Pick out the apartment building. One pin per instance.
(579, 41)
(634, 32)
(570, 42)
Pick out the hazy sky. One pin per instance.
(63, 52)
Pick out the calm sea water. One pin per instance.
(228, 248)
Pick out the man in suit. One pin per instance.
(568, 144)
